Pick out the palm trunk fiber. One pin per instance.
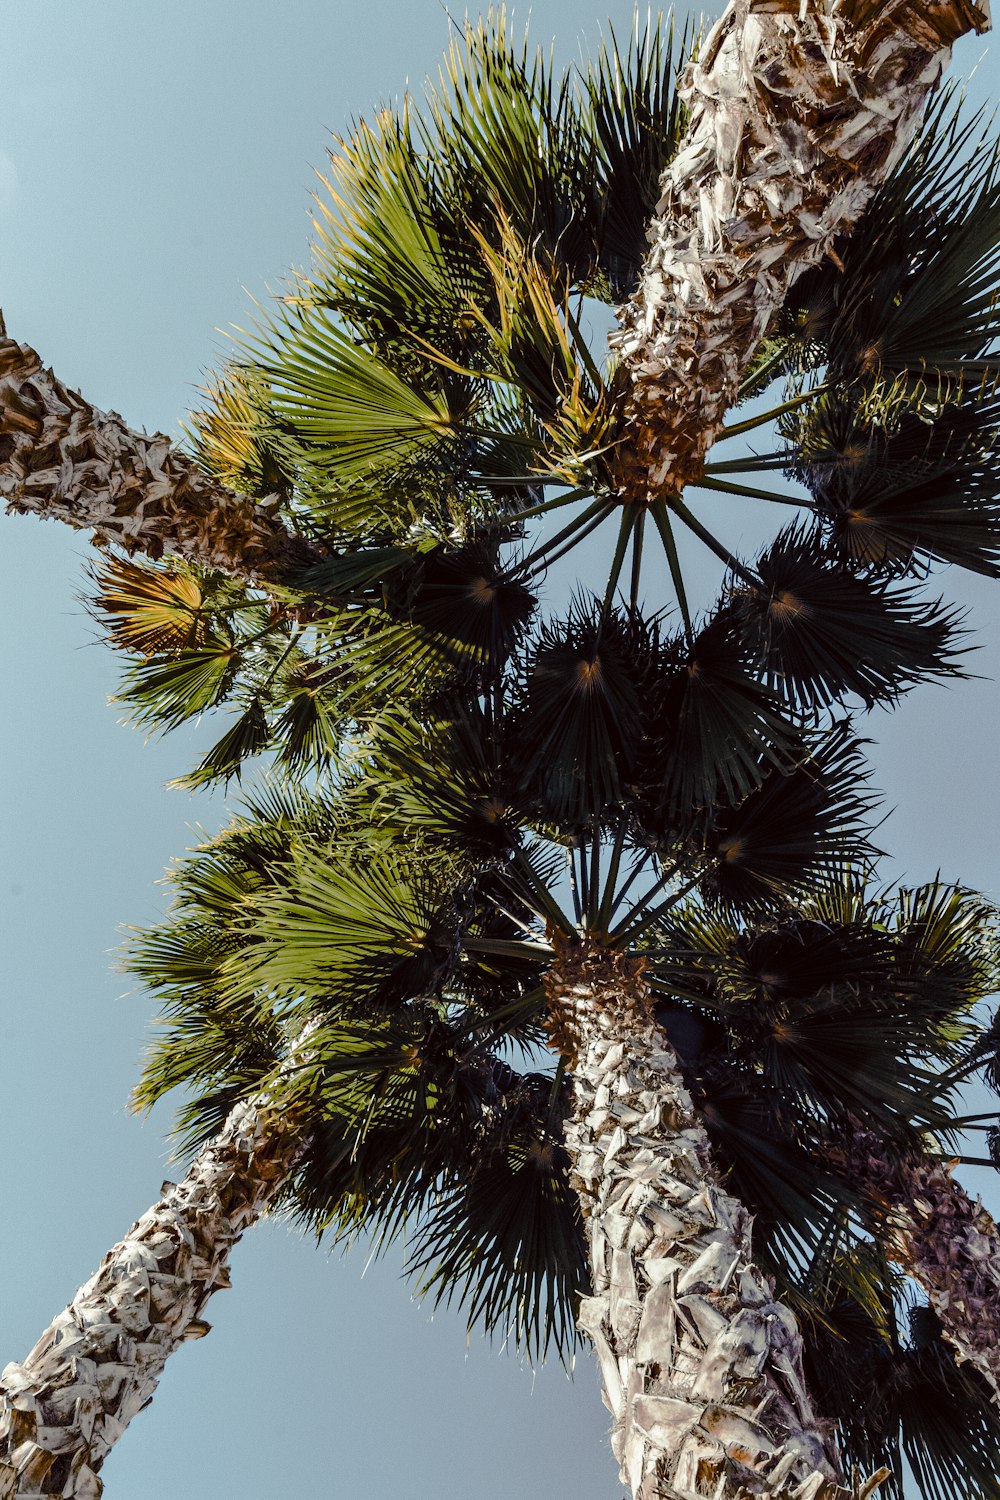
(944, 1240)
(799, 110)
(702, 1368)
(61, 457)
(66, 1405)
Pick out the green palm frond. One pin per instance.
(391, 253)
(511, 134)
(349, 927)
(347, 404)
(154, 609)
(236, 435)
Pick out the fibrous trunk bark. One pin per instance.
(944, 1240)
(702, 1367)
(65, 1406)
(63, 458)
(798, 112)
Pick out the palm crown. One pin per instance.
(487, 781)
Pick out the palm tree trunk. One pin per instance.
(702, 1368)
(98, 1363)
(944, 1240)
(798, 112)
(61, 457)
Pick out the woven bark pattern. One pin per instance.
(946, 1241)
(798, 112)
(61, 457)
(702, 1368)
(65, 1406)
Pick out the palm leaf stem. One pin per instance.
(595, 879)
(637, 868)
(582, 350)
(637, 535)
(628, 523)
(772, 366)
(543, 895)
(703, 534)
(662, 522)
(747, 463)
(607, 903)
(640, 906)
(651, 918)
(724, 487)
(736, 429)
(529, 951)
(599, 509)
(546, 505)
(581, 536)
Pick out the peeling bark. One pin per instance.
(947, 1242)
(62, 457)
(798, 112)
(66, 1405)
(702, 1367)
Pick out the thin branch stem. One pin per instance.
(624, 533)
(637, 534)
(567, 531)
(546, 557)
(750, 492)
(769, 416)
(662, 523)
(703, 534)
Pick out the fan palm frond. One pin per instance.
(803, 620)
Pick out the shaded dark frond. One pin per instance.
(575, 731)
(713, 732)
(466, 596)
(446, 777)
(506, 1242)
(920, 270)
(902, 475)
(794, 826)
(637, 120)
(793, 1196)
(819, 633)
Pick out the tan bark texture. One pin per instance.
(702, 1367)
(946, 1241)
(66, 1405)
(63, 458)
(799, 109)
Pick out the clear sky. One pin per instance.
(155, 165)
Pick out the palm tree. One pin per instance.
(755, 1045)
(428, 396)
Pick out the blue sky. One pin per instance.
(155, 168)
